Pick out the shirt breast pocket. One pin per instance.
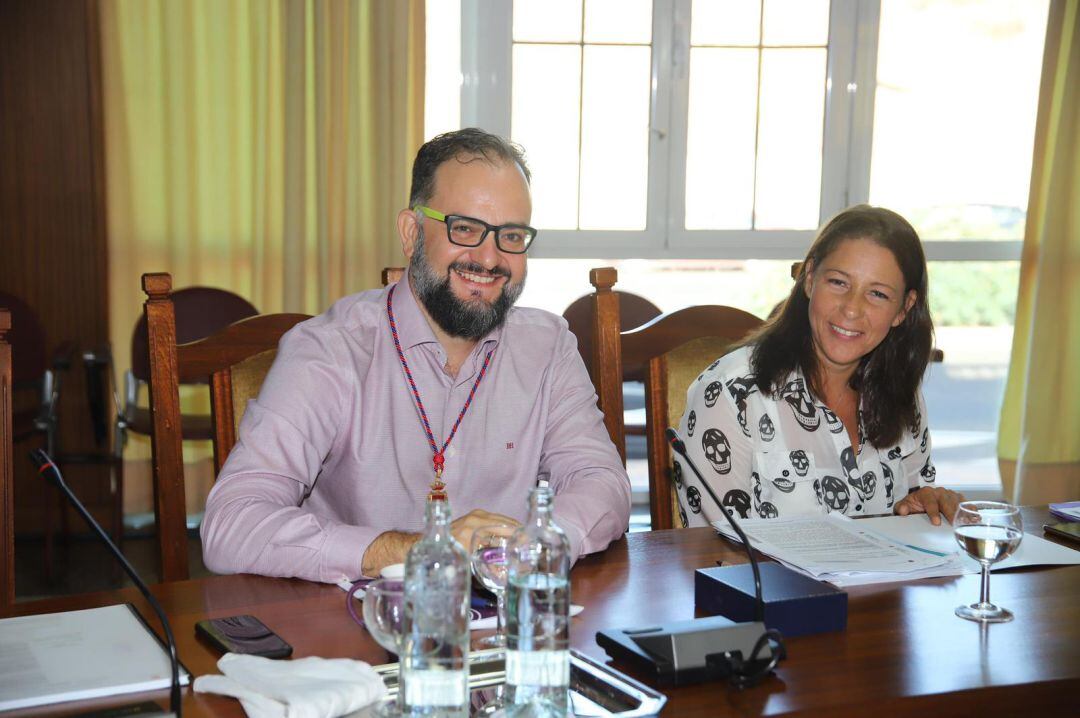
(783, 483)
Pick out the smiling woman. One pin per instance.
(820, 410)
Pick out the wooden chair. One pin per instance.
(7, 489)
(669, 352)
(235, 361)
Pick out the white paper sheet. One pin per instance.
(848, 552)
(916, 530)
(74, 655)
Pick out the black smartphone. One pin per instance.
(1069, 531)
(243, 634)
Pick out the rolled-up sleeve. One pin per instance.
(581, 464)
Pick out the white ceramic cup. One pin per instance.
(394, 570)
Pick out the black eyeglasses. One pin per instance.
(470, 232)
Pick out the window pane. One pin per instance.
(626, 21)
(954, 121)
(547, 21)
(615, 138)
(442, 70)
(790, 138)
(720, 138)
(725, 22)
(796, 22)
(544, 119)
(973, 305)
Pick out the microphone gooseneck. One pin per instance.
(680, 448)
(46, 466)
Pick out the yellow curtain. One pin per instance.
(262, 146)
(1039, 439)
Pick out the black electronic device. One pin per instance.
(703, 648)
(700, 649)
(46, 466)
(1068, 530)
(243, 634)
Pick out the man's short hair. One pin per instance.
(465, 145)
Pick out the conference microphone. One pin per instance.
(680, 449)
(46, 466)
(702, 649)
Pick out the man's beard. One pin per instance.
(465, 319)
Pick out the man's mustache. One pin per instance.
(474, 268)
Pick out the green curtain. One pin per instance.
(263, 146)
(1039, 438)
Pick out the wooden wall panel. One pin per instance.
(52, 216)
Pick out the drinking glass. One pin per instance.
(488, 551)
(988, 531)
(384, 611)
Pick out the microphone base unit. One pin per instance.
(684, 652)
(795, 604)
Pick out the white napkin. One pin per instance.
(303, 688)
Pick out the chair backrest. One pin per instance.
(199, 312)
(634, 310)
(28, 334)
(7, 489)
(224, 359)
(670, 351)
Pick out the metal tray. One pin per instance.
(595, 689)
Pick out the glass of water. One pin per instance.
(488, 552)
(384, 611)
(988, 531)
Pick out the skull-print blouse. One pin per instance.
(768, 457)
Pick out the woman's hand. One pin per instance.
(931, 500)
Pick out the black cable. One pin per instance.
(45, 465)
(745, 680)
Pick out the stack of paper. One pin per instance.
(75, 655)
(845, 552)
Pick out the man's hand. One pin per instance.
(464, 527)
(931, 500)
(387, 548)
(392, 546)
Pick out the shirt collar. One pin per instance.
(412, 325)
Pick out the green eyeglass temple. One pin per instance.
(502, 241)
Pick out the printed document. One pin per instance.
(75, 655)
(847, 552)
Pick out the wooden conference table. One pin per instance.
(903, 652)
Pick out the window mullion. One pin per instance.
(670, 40)
(486, 64)
(839, 83)
(677, 79)
(868, 15)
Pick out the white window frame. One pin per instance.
(486, 57)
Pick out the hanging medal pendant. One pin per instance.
(438, 488)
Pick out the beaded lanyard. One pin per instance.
(438, 488)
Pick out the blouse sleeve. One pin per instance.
(719, 449)
(915, 462)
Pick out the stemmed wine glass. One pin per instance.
(488, 551)
(988, 531)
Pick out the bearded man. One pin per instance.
(435, 385)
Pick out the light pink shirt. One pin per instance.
(332, 453)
